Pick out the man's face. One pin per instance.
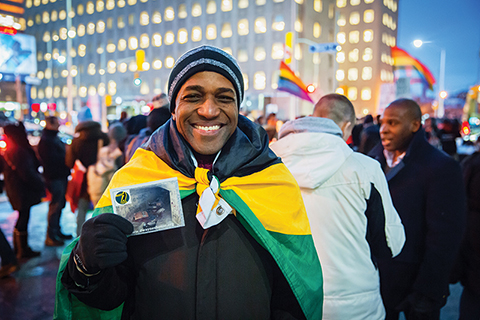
(206, 111)
(54, 125)
(397, 129)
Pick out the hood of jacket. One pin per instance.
(313, 150)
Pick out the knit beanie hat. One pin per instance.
(204, 58)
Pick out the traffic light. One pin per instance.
(140, 58)
(136, 79)
(311, 88)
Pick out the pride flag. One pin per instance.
(402, 59)
(290, 83)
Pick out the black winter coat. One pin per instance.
(23, 183)
(428, 192)
(51, 151)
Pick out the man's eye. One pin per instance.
(192, 97)
(226, 99)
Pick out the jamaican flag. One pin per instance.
(253, 181)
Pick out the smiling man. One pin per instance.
(427, 191)
(249, 255)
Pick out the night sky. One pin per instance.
(452, 25)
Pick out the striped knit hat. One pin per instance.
(204, 58)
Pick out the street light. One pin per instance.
(441, 88)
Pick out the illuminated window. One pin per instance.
(169, 62)
(39, 56)
(367, 73)
(298, 25)
(226, 30)
(82, 49)
(341, 3)
(28, 3)
(121, 3)
(120, 22)
(122, 44)
(245, 81)
(368, 16)
(211, 32)
(109, 23)
(297, 1)
(259, 54)
(48, 73)
(46, 36)
(340, 75)
(341, 22)
(243, 27)
(196, 34)
(341, 37)
(100, 5)
(111, 46)
(228, 50)
(144, 19)
(63, 33)
(110, 4)
(132, 43)
(169, 38)
(30, 22)
(367, 54)
(278, 24)
(131, 19)
(354, 37)
(354, 2)
(55, 36)
(366, 94)
(242, 4)
(353, 55)
(90, 28)
(353, 74)
(259, 80)
(132, 2)
(277, 51)
(144, 41)
(112, 88)
(91, 69)
(369, 1)
(298, 55)
(182, 11)
(132, 66)
(111, 66)
(354, 18)
(36, 3)
(260, 25)
(211, 7)
(182, 35)
(226, 5)
(101, 89)
(100, 49)
(317, 30)
(352, 93)
(45, 17)
(157, 64)
(340, 57)
(368, 35)
(196, 9)
(157, 17)
(38, 19)
(100, 26)
(156, 40)
(169, 14)
(72, 13)
(48, 92)
(242, 55)
(80, 9)
(318, 5)
(90, 7)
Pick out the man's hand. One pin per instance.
(416, 306)
(102, 244)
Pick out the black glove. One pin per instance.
(103, 243)
(417, 306)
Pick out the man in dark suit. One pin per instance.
(428, 193)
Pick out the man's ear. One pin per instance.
(415, 125)
(174, 118)
(347, 128)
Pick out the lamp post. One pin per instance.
(441, 87)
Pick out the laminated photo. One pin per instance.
(150, 207)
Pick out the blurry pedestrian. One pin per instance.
(9, 261)
(448, 135)
(428, 192)
(84, 147)
(467, 269)
(134, 125)
(160, 101)
(109, 159)
(370, 135)
(51, 151)
(351, 214)
(155, 120)
(23, 183)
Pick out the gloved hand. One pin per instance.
(417, 306)
(103, 243)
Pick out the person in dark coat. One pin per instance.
(467, 268)
(23, 183)
(428, 192)
(51, 151)
(370, 135)
(84, 147)
(9, 261)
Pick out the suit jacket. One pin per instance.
(428, 192)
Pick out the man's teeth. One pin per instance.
(209, 128)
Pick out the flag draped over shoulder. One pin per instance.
(258, 186)
(290, 83)
(402, 59)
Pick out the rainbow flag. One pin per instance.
(402, 59)
(290, 83)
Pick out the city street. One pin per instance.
(30, 293)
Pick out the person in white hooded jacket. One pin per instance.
(348, 203)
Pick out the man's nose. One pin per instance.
(209, 109)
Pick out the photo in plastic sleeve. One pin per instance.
(151, 206)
